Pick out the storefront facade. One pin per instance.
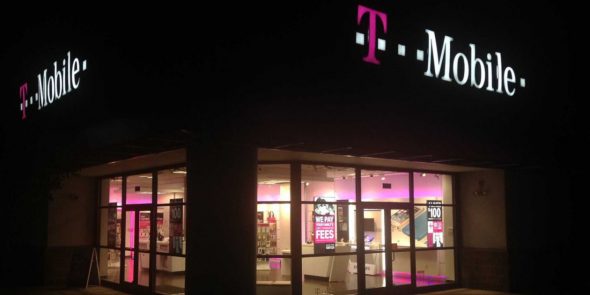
(396, 209)
(357, 147)
(409, 211)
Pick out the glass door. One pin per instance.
(136, 266)
(387, 247)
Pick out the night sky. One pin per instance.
(276, 74)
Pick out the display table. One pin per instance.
(332, 268)
(163, 262)
(372, 262)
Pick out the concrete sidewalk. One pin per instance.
(107, 291)
(465, 291)
(61, 291)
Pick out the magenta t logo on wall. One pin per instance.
(53, 83)
(371, 38)
(23, 90)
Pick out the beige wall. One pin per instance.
(483, 217)
(71, 219)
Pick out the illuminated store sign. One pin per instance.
(53, 83)
(463, 68)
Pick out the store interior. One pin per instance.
(170, 224)
(332, 190)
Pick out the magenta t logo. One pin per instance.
(372, 33)
(23, 91)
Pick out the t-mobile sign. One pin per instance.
(53, 83)
(324, 228)
(465, 67)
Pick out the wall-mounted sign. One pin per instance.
(324, 227)
(465, 67)
(53, 83)
(434, 211)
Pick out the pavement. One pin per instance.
(465, 291)
(107, 291)
(62, 291)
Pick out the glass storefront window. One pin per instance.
(374, 229)
(401, 266)
(139, 189)
(273, 237)
(274, 183)
(400, 225)
(375, 270)
(329, 275)
(328, 228)
(138, 212)
(110, 227)
(327, 183)
(171, 229)
(385, 186)
(110, 191)
(435, 267)
(433, 187)
(273, 229)
(170, 278)
(172, 185)
(110, 265)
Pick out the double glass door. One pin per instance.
(138, 241)
(387, 232)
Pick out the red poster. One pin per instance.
(324, 226)
(144, 225)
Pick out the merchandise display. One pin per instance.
(267, 236)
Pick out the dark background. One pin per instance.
(289, 74)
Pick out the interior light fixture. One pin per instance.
(307, 184)
(178, 171)
(383, 178)
(423, 174)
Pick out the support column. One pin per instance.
(221, 219)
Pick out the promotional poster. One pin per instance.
(324, 227)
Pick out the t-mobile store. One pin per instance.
(366, 151)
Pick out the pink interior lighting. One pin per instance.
(426, 186)
(129, 270)
(269, 192)
(405, 278)
(131, 226)
(135, 198)
(372, 187)
(131, 236)
(115, 194)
